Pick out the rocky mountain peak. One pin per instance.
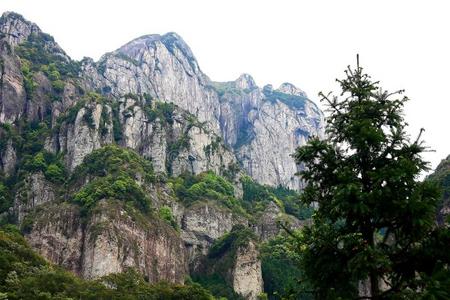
(245, 81)
(15, 29)
(150, 43)
(290, 89)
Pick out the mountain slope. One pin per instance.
(139, 160)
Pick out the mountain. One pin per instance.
(140, 161)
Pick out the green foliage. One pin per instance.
(54, 76)
(213, 147)
(375, 221)
(6, 199)
(26, 275)
(87, 102)
(71, 114)
(165, 213)
(50, 164)
(88, 117)
(28, 80)
(206, 186)
(294, 101)
(291, 203)
(231, 171)
(115, 171)
(228, 244)
(114, 160)
(256, 198)
(117, 128)
(104, 121)
(218, 286)
(163, 111)
(28, 140)
(281, 271)
(38, 53)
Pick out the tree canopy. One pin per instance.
(374, 234)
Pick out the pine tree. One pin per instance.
(375, 221)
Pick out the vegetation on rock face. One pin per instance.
(375, 223)
(26, 275)
(206, 186)
(165, 213)
(297, 102)
(256, 197)
(37, 51)
(115, 172)
(160, 110)
(115, 160)
(229, 88)
(239, 236)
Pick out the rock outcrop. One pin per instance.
(265, 126)
(109, 241)
(247, 275)
(204, 223)
(35, 190)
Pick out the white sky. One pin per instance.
(404, 44)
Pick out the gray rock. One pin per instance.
(247, 274)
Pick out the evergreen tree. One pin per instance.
(375, 227)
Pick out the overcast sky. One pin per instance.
(404, 44)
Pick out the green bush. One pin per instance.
(58, 86)
(48, 163)
(114, 160)
(55, 173)
(120, 187)
(117, 127)
(256, 197)
(114, 173)
(206, 186)
(165, 213)
(6, 199)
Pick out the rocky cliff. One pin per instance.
(137, 160)
(265, 126)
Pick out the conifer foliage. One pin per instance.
(375, 226)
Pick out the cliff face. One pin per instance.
(58, 118)
(246, 273)
(109, 241)
(162, 67)
(251, 120)
(265, 126)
